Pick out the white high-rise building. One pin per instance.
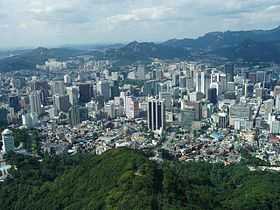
(35, 102)
(73, 93)
(67, 79)
(132, 107)
(8, 141)
(103, 89)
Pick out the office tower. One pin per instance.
(104, 90)
(85, 92)
(248, 90)
(14, 102)
(187, 116)
(229, 71)
(3, 116)
(58, 88)
(42, 86)
(61, 103)
(156, 115)
(205, 82)
(197, 81)
(212, 95)
(35, 102)
(115, 89)
(8, 141)
(132, 107)
(175, 79)
(182, 82)
(74, 116)
(73, 93)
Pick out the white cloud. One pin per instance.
(53, 22)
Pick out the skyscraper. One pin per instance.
(74, 116)
(35, 102)
(103, 89)
(85, 91)
(229, 70)
(73, 93)
(61, 103)
(8, 141)
(156, 115)
(58, 88)
(212, 95)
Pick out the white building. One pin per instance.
(8, 141)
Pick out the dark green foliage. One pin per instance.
(29, 139)
(126, 179)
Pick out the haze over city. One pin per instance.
(54, 23)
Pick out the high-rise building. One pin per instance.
(58, 88)
(229, 71)
(42, 86)
(212, 95)
(73, 93)
(14, 102)
(132, 107)
(67, 79)
(103, 89)
(205, 82)
(61, 103)
(8, 141)
(74, 116)
(156, 115)
(85, 92)
(35, 102)
(197, 81)
(187, 116)
(109, 109)
(223, 120)
(240, 112)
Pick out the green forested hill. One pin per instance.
(125, 179)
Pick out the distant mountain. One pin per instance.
(216, 40)
(30, 58)
(256, 45)
(143, 51)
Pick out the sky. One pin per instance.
(32, 23)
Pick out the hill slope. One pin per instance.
(125, 179)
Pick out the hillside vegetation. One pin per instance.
(126, 179)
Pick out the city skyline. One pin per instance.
(50, 23)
